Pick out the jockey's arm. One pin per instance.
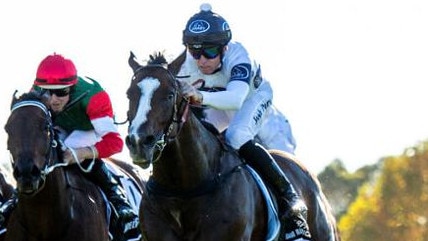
(230, 99)
(82, 153)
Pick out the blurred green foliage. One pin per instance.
(387, 201)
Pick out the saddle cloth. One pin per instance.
(273, 220)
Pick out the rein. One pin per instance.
(121, 122)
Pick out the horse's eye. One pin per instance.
(171, 96)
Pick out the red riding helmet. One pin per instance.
(55, 72)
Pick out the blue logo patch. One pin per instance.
(225, 26)
(199, 26)
(241, 72)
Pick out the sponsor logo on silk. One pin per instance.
(199, 26)
(240, 72)
(261, 111)
(225, 26)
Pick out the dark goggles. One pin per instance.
(209, 52)
(59, 92)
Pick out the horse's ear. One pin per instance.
(174, 66)
(133, 62)
(14, 99)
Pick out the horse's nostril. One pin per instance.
(35, 171)
(131, 141)
(16, 173)
(128, 141)
(149, 141)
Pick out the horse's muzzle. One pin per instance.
(140, 152)
(29, 179)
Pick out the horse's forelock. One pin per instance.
(30, 96)
(151, 68)
(157, 58)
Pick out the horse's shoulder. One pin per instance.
(76, 179)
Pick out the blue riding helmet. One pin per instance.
(206, 28)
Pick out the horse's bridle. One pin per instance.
(48, 166)
(179, 116)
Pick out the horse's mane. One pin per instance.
(157, 58)
(29, 96)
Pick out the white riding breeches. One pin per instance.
(276, 133)
(258, 117)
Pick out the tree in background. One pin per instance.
(395, 206)
(341, 187)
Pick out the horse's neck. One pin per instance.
(49, 212)
(51, 199)
(193, 156)
(198, 140)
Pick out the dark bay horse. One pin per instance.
(56, 202)
(199, 188)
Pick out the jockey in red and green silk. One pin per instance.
(83, 115)
(90, 110)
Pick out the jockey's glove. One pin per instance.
(190, 92)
